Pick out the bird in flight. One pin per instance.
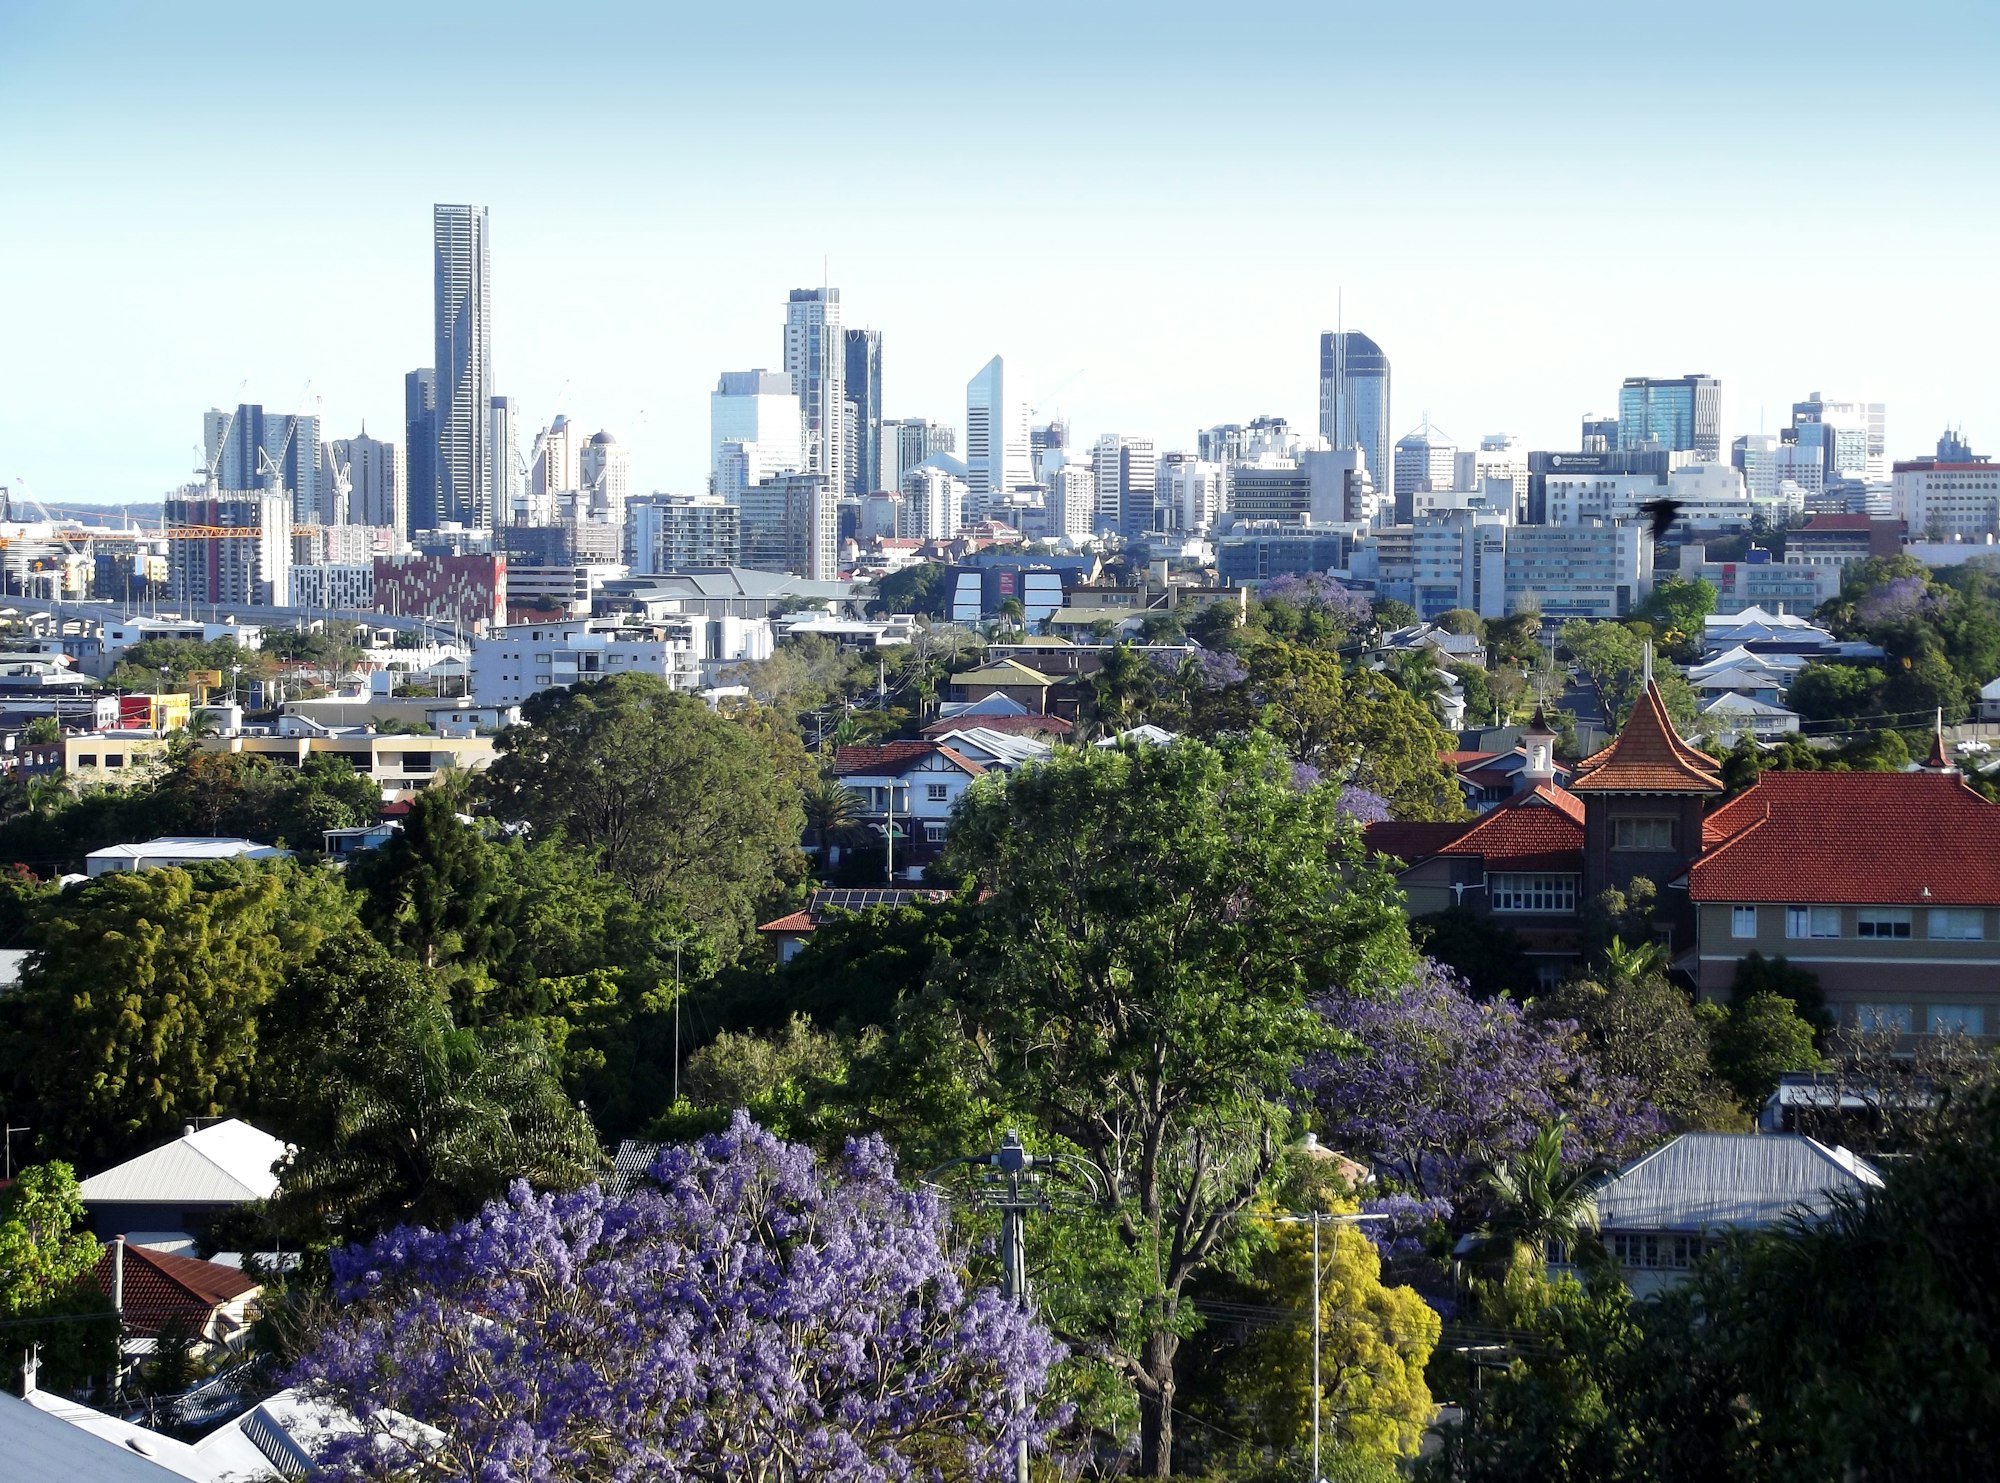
(1664, 513)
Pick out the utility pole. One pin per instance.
(1317, 1218)
(11, 1131)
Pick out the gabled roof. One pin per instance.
(1852, 838)
(160, 1288)
(1538, 829)
(1007, 725)
(1744, 705)
(896, 758)
(1411, 840)
(1719, 1181)
(1005, 672)
(1647, 757)
(1738, 676)
(47, 1437)
(993, 747)
(225, 1163)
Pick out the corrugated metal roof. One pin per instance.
(224, 1163)
(1717, 1181)
(49, 1438)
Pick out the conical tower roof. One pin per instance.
(1647, 757)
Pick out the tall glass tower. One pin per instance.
(420, 444)
(1681, 414)
(864, 402)
(464, 366)
(1354, 400)
(816, 360)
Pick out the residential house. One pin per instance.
(787, 936)
(908, 787)
(1040, 694)
(1489, 778)
(1660, 1212)
(213, 1304)
(1731, 715)
(168, 1195)
(182, 851)
(1885, 886)
(1751, 682)
(1989, 701)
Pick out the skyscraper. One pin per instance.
(604, 471)
(249, 449)
(1426, 458)
(816, 360)
(505, 472)
(1127, 471)
(420, 442)
(1680, 413)
(996, 441)
(907, 442)
(759, 410)
(1354, 399)
(376, 480)
(464, 365)
(863, 378)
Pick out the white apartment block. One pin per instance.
(345, 585)
(1948, 501)
(511, 664)
(1072, 500)
(1711, 495)
(674, 532)
(1191, 492)
(934, 500)
(1589, 571)
(1460, 561)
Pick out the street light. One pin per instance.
(1317, 1218)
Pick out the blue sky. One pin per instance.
(1149, 210)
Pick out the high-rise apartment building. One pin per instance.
(1190, 493)
(934, 499)
(376, 477)
(758, 410)
(907, 442)
(1127, 471)
(236, 547)
(1354, 399)
(556, 467)
(996, 441)
(420, 441)
(1679, 413)
(791, 523)
(1072, 499)
(816, 360)
(604, 481)
(679, 532)
(863, 381)
(507, 493)
(464, 365)
(251, 449)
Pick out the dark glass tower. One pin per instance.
(864, 401)
(420, 442)
(464, 366)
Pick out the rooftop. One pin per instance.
(160, 1288)
(1647, 757)
(1715, 1181)
(225, 1163)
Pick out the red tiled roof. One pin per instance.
(1540, 829)
(886, 757)
(1647, 757)
(975, 768)
(1818, 523)
(798, 921)
(1466, 759)
(1860, 838)
(159, 1287)
(1410, 842)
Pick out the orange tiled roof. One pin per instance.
(1647, 757)
(1540, 829)
(1859, 838)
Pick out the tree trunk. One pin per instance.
(1156, 1408)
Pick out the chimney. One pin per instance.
(1539, 740)
(118, 1276)
(31, 1364)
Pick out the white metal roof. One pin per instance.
(47, 1439)
(1717, 1181)
(186, 847)
(224, 1163)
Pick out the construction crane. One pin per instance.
(343, 485)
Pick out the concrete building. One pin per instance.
(667, 532)
(1426, 458)
(604, 482)
(420, 443)
(230, 547)
(1072, 500)
(1127, 471)
(1590, 571)
(505, 473)
(791, 523)
(1191, 493)
(336, 586)
(863, 381)
(1712, 496)
(464, 338)
(511, 664)
(934, 499)
(377, 479)
(816, 362)
(907, 442)
(250, 449)
(1257, 550)
(1460, 561)
(1948, 501)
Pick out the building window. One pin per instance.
(1812, 921)
(1958, 1019)
(934, 833)
(1897, 1017)
(1742, 921)
(1547, 893)
(1957, 924)
(1882, 922)
(1642, 834)
(114, 759)
(86, 759)
(936, 792)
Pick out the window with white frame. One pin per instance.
(936, 792)
(1957, 923)
(1642, 834)
(1525, 892)
(1882, 922)
(1742, 921)
(1900, 1018)
(1812, 921)
(1958, 1019)
(934, 833)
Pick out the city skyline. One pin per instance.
(1552, 282)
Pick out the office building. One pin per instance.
(230, 546)
(816, 361)
(1957, 500)
(464, 366)
(791, 523)
(604, 481)
(1426, 458)
(1680, 414)
(996, 441)
(507, 493)
(250, 449)
(1589, 571)
(1850, 437)
(1499, 456)
(420, 456)
(1711, 496)
(863, 382)
(1354, 400)
(1190, 493)
(1127, 470)
(1459, 560)
(907, 442)
(759, 411)
(679, 532)
(1542, 465)
(375, 474)
(1600, 433)
(1255, 551)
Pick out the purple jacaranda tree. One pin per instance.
(1438, 1084)
(752, 1314)
(1898, 600)
(1317, 592)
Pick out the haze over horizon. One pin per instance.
(1151, 214)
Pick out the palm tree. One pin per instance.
(833, 812)
(1634, 962)
(1011, 613)
(1121, 689)
(1539, 1204)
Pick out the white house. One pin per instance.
(510, 664)
(156, 1198)
(1731, 715)
(177, 850)
(910, 787)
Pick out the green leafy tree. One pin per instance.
(1757, 974)
(138, 1011)
(1490, 955)
(914, 589)
(43, 731)
(1122, 691)
(48, 1265)
(400, 1116)
(1760, 1039)
(1462, 620)
(684, 806)
(1157, 920)
(1676, 608)
(1836, 692)
(1637, 1024)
